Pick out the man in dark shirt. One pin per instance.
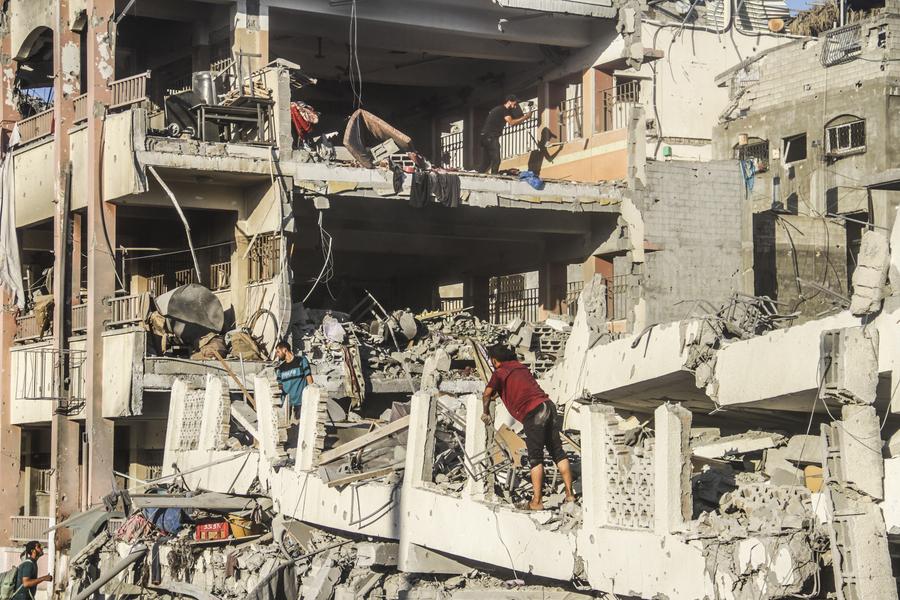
(497, 118)
(26, 575)
(529, 404)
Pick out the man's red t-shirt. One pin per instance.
(517, 387)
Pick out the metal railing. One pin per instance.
(265, 257)
(519, 139)
(617, 298)
(453, 303)
(185, 276)
(42, 480)
(220, 276)
(571, 119)
(508, 305)
(129, 90)
(36, 127)
(569, 302)
(80, 103)
(40, 377)
(157, 284)
(28, 329)
(127, 310)
(452, 148)
(842, 45)
(616, 105)
(25, 529)
(79, 318)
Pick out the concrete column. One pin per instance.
(476, 442)
(594, 482)
(173, 426)
(673, 505)
(476, 292)
(64, 438)
(10, 435)
(552, 279)
(240, 276)
(200, 55)
(101, 232)
(267, 418)
(310, 441)
(420, 442)
(250, 32)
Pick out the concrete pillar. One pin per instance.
(310, 440)
(268, 418)
(101, 232)
(200, 55)
(420, 441)
(552, 280)
(476, 442)
(470, 139)
(64, 438)
(250, 32)
(180, 389)
(216, 415)
(673, 505)
(476, 292)
(240, 276)
(594, 482)
(10, 435)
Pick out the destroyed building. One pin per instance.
(186, 183)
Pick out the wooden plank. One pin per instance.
(236, 380)
(364, 440)
(361, 476)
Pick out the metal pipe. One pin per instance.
(187, 228)
(137, 553)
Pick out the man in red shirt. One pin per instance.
(529, 404)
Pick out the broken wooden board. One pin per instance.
(356, 477)
(364, 440)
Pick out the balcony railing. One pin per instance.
(185, 276)
(507, 305)
(452, 149)
(457, 303)
(42, 479)
(157, 284)
(80, 103)
(36, 127)
(25, 529)
(28, 329)
(79, 318)
(265, 257)
(519, 139)
(220, 276)
(571, 119)
(616, 104)
(127, 310)
(130, 90)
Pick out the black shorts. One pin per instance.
(542, 430)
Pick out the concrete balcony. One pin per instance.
(25, 529)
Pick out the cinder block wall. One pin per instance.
(699, 234)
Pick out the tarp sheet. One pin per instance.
(10, 265)
(365, 130)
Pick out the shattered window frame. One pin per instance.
(788, 147)
(846, 137)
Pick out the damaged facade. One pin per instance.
(203, 179)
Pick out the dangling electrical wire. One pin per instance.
(353, 67)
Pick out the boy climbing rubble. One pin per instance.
(529, 404)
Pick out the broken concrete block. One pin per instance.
(408, 325)
(871, 272)
(734, 445)
(515, 324)
(805, 450)
(382, 554)
(779, 469)
(320, 581)
(850, 357)
(858, 436)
